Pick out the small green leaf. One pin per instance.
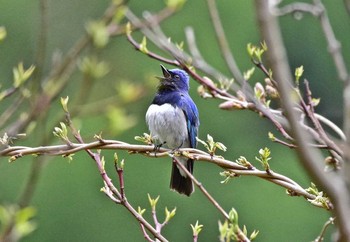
(153, 202)
(92, 67)
(244, 162)
(143, 45)
(245, 232)
(298, 73)
(61, 132)
(169, 214)
(140, 210)
(315, 101)
(233, 217)
(264, 158)
(20, 75)
(146, 138)
(249, 73)
(128, 29)
(196, 229)
(119, 14)
(251, 49)
(259, 91)
(220, 146)
(4, 140)
(98, 32)
(202, 142)
(64, 103)
(254, 234)
(264, 45)
(180, 45)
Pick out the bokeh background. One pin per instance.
(68, 201)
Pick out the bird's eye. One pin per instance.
(176, 76)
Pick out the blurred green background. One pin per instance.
(70, 206)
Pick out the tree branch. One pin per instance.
(15, 152)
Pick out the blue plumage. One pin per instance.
(173, 121)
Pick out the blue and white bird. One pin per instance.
(173, 120)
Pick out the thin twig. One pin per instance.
(320, 238)
(201, 187)
(121, 199)
(239, 232)
(223, 43)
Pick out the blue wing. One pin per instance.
(192, 117)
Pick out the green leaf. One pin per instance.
(64, 103)
(20, 75)
(140, 210)
(233, 217)
(298, 73)
(249, 73)
(254, 234)
(143, 45)
(98, 32)
(128, 29)
(264, 158)
(271, 136)
(146, 138)
(169, 214)
(220, 146)
(153, 202)
(196, 229)
(92, 67)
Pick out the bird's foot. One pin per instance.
(157, 147)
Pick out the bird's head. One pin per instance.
(174, 79)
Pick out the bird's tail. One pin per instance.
(179, 181)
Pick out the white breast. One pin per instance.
(168, 124)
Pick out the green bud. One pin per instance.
(140, 210)
(249, 73)
(122, 164)
(298, 73)
(220, 146)
(20, 75)
(153, 202)
(169, 215)
(146, 138)
(251, 49)
(196, 229)
(4, 140)
(254, 234)
(143, 45)
(233, 217)
(128, 29)
(245, 232)
(271, 136)
(92, 67)
(64, 103)
(98, 32)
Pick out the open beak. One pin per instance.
(166, 73)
